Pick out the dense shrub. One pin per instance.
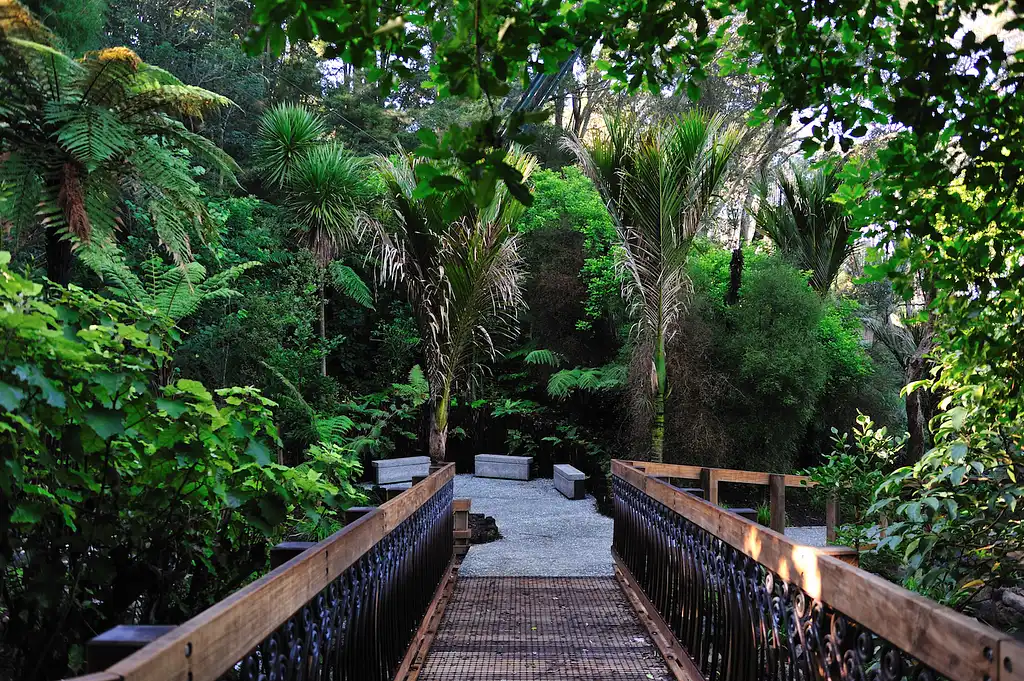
(124, 499)
(752, 378)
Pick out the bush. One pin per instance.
(852, 472)
(125, 500)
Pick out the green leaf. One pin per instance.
(259, 452)
(10, 397)
(26, 514)
(173, 408)
(106, 423)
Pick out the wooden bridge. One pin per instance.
(700, 594)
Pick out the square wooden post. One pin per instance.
(831, 520)
(709, 483)
(460, 507)
(777, 492)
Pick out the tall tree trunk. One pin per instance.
(323, 328)
(438, 441)
(658, 428)
(58, 258)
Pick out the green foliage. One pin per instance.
(102, 129)
(122, 497)
(956, 512)
(567, 199)
(662, 184)
(610, 377)
(460, 267)
(798, 215)
(174, 291)
(851, 473)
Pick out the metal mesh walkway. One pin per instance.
(541, 629)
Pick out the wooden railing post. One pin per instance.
(286, 550)
(709, 483)
(113, 645)
(462, 532)
(777, 492)
(831, 519)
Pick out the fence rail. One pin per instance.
(746, 603)
(345, 609)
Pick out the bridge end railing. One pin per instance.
(744, 603)
(344, 609)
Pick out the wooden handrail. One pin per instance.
(672, 470)
(953, 645)
(209, 644)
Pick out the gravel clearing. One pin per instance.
(812, 535)
(544, 534)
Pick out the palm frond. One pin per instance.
(810, 229)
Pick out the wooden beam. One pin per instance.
(777, 499)
(209, 644)
(948, 642)
(678, 662)
(416, 655)
(670, 470)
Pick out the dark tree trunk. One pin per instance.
(59, 258)
(732, 294)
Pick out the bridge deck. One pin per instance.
(541, 629)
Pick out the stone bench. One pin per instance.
(570, 481)
(390, 471)
(502, 466)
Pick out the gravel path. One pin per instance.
(544, 534)
(812, 535)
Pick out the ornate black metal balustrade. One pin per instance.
(735, 618)
(359, 627)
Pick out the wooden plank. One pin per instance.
(671, 470)
(419, 647)
(209, 644)
(678, 662)
(461, 505)
(1011, 660)
(463, 534)
(777, 499)
(950, 643)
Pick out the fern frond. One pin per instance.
(606, 378)
(544, 357)
(91, 134)
(351, 284)
(179, 100)
(332, 429)
(19, 191)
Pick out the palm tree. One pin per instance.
(797, 213)
(77, 136)
(324, 187)
(662, 185)
(461, 269)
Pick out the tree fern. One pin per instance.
(92, 133)
(610, 377)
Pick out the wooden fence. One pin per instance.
(737, 601)
(346, 608)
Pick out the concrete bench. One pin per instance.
(390, 471)
(748, 513)
(502, 466)
(570, 481)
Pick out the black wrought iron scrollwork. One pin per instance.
(359, 627)
(736, 619)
